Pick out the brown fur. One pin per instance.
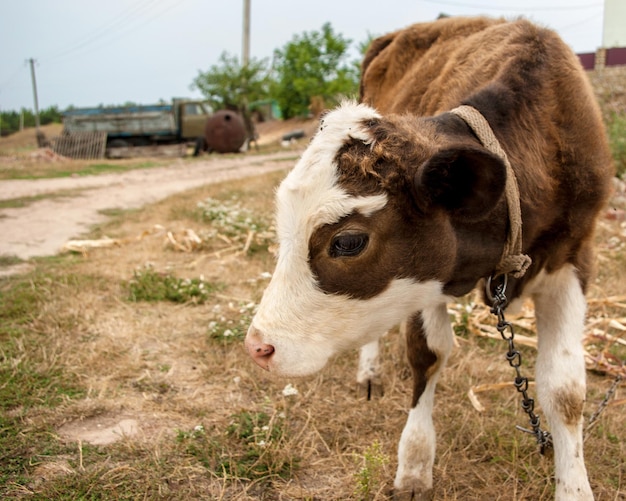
(452, 226)
(423, 361)
(532, 90)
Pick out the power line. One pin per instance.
(579, 23)
(511, 8)
(10, 79)
(123, 24)
(122, 18)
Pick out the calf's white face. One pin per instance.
(325, 295)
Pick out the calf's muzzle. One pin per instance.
(260, 352)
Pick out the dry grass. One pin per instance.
(204, 423)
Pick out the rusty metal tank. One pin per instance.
(224, 132)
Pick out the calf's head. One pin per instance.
(365, 232)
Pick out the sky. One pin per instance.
(89, 53)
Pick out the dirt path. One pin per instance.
(41, 228)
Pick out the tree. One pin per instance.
(313, 65)
(10, 120)
(229, 84)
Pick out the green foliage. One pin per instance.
(616, 128)
(313, 64)
(10, 120)
(149, 285)
(229, 84)
(371, 477)
(251, 447)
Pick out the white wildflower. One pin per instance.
(289, 390)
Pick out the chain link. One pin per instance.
(496, 294)
(607, 397)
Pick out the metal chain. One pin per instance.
(499, 301)
(607, 397)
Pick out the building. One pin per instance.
(613, 50)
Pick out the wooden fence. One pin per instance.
(84, 145)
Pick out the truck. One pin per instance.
(117, 131)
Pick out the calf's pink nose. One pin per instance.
(257, 349)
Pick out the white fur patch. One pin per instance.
(306, 327)
(560, 373)
(369, 363)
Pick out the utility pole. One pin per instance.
(41, 140)
(245, 58)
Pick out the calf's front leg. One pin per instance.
(429, 341)
(560, 311)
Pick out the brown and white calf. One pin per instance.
(396, 207)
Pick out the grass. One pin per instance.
(124, 333)
(251, 447)
(25, 168)
(16, 203)
(6, 260)
(616, 128)
(150, 285)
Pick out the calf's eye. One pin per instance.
(348, 244)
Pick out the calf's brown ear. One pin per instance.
(467, 182)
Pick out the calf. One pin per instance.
(468, 132)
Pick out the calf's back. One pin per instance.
(537, 99)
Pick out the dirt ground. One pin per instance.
(43, 227)
(76, 203)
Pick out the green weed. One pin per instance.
(370, 479)
(148, 284)
(251, 447)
